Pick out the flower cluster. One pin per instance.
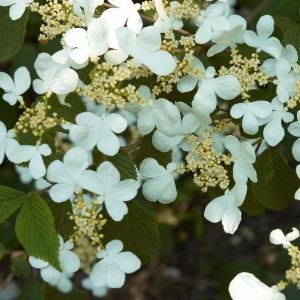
(139, 75)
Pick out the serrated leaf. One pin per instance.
(12, 35)
(60, 211)
(138, 231)
(10, 201)
(277, 182)
(35, 230)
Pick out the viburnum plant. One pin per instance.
(132, 77)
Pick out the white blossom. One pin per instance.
(159, 182)
(244, 157)
(54, 77)
(14, 88)
(7, 142)
(33, 155)
(145, 48)
(100, 291)
(113, 265)
(213, 18)
(294, 129)
(251, 112)
(17, 7)
(245, 286)
(87, 44)
(262, 40)
(226, 208)
(277, 237)
(297, 194)
(107, 184)
(66, 174)
(92, 130)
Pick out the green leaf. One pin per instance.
(12, 35)
(10, 201)
(60, 211)
(19, 265)
(292, 36)
(138, 231)
(33, 290)
(277, 182)
(250, 206)
(35, 230)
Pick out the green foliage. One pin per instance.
(64, 226)
(35, 230)
(277, 182)
(12, 34)
(292, 36)
(138, 231)
(10, 201)
(19, 266)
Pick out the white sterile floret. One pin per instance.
(14, 88)
(227, 87)
(145, 48)
(17, 7)
(289, 53)
(263, 40)
(226, 208)
(274, 131)
(251, 112)
(33, 155)
(66, 174)
(54, 77)
(228, 38)
(294, 129)
(107, 184)
(172, 131)
(100, 291)
(7, 142)
(245, 286)
(113, 265)
(297, 194)
(87, 44)
(85, 9)
(159, 182)
(243, 155)
(285, 80)
(277, 237)
(69, 263)
(213, 18)
(165, 23)
(92, 130)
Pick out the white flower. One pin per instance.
(251, 112)
(54, 77)
(286, 80)
(226, 87)
(159, 182)
(289, 53)
(24, 174)
(84, 44)
(245, 286)
(69, 263)
(85, 9)
(228, 38)
(165, 23)
(92, 130)
(297, 194)
(66, 174)
(263, 40)
(294, 129)
(277, 237)
(213, 18)
(110, 190)
(274, 131)
(33, 155)
(146, 49)
(243, 156)
(13, 89)
(17, 7)
(7, 142)
(99, 291)
(226, 208)
(113, 265)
